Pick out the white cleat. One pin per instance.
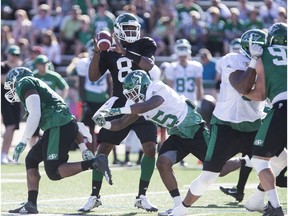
(143, 203)
(179, 211)
(253, 204)
(92, 202)
(166, 213)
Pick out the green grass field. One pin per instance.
(66, 196)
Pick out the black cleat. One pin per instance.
(101, 163)
(233, 192)
(271, 211)
(27, 208)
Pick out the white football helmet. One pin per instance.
(120, 27)
(182, 47)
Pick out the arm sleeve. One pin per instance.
(33, 106)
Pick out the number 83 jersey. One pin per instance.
(119, 65)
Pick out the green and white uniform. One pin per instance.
(272, 135)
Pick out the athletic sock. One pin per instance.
(32, 196)
(273, 198)
(243, 177)
(147, 169)
(97, 178)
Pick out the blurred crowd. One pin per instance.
(62, 27)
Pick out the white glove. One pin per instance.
(255, 50)
(87, 155)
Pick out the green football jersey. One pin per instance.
(54, 111)
(275, 65)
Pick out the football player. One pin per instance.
(234, 123)
(129, 53)
(270, 65)
(160, 104)
(48, 110)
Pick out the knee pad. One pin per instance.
(199, 186)
(260, 164)
(279, 163)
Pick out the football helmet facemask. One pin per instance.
(182, 47)
(135, 85)
(277, 34)
(254, 36)
(235, 45)
(13, 76)
(127, 27)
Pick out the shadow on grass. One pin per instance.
(88, 214)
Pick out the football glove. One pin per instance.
(18, 150)
(87, 155)
(111, 112)
(99, 120)
(255, 51)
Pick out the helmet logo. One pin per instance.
(137, 78)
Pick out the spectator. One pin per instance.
(22, 26)
(184, 9)
(83, 35)
(268, 13)
(253, 21)
(103, 19)
(215, 33)
(24, 45)
(195, 32)
(234, 28)
(51, 47)
(282, 15)
(40, 22)
(244, 9)
(69, 27)
(224, 11)
(34, 51)
(6, 41)
(10, 113)
(209, 65)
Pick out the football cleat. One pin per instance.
(271, 211)
(255, 204)
(92, 202)
(143, 203)
(27, 208)
(101, 163)
(166, 213)
(233, 192)
(179, 211)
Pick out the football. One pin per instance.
(104, 40)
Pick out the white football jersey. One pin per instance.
(99, 86)
(230, 105)
(172, 111)
(184, 78)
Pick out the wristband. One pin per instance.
(107, 125)
(135, 57)
(253, 63)
(125, 110)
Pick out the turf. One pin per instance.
(66, 196)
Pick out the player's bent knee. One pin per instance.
(260, 164)
(199, 186)
(163, 163)
(30, 163)
(53, 174)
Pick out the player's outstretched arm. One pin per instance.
(94, 72)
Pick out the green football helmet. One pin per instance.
(235, 45)
(277, 34)
(120, 27)
(182, 47)
(13, 76)
(135, 85)
(254, 36)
